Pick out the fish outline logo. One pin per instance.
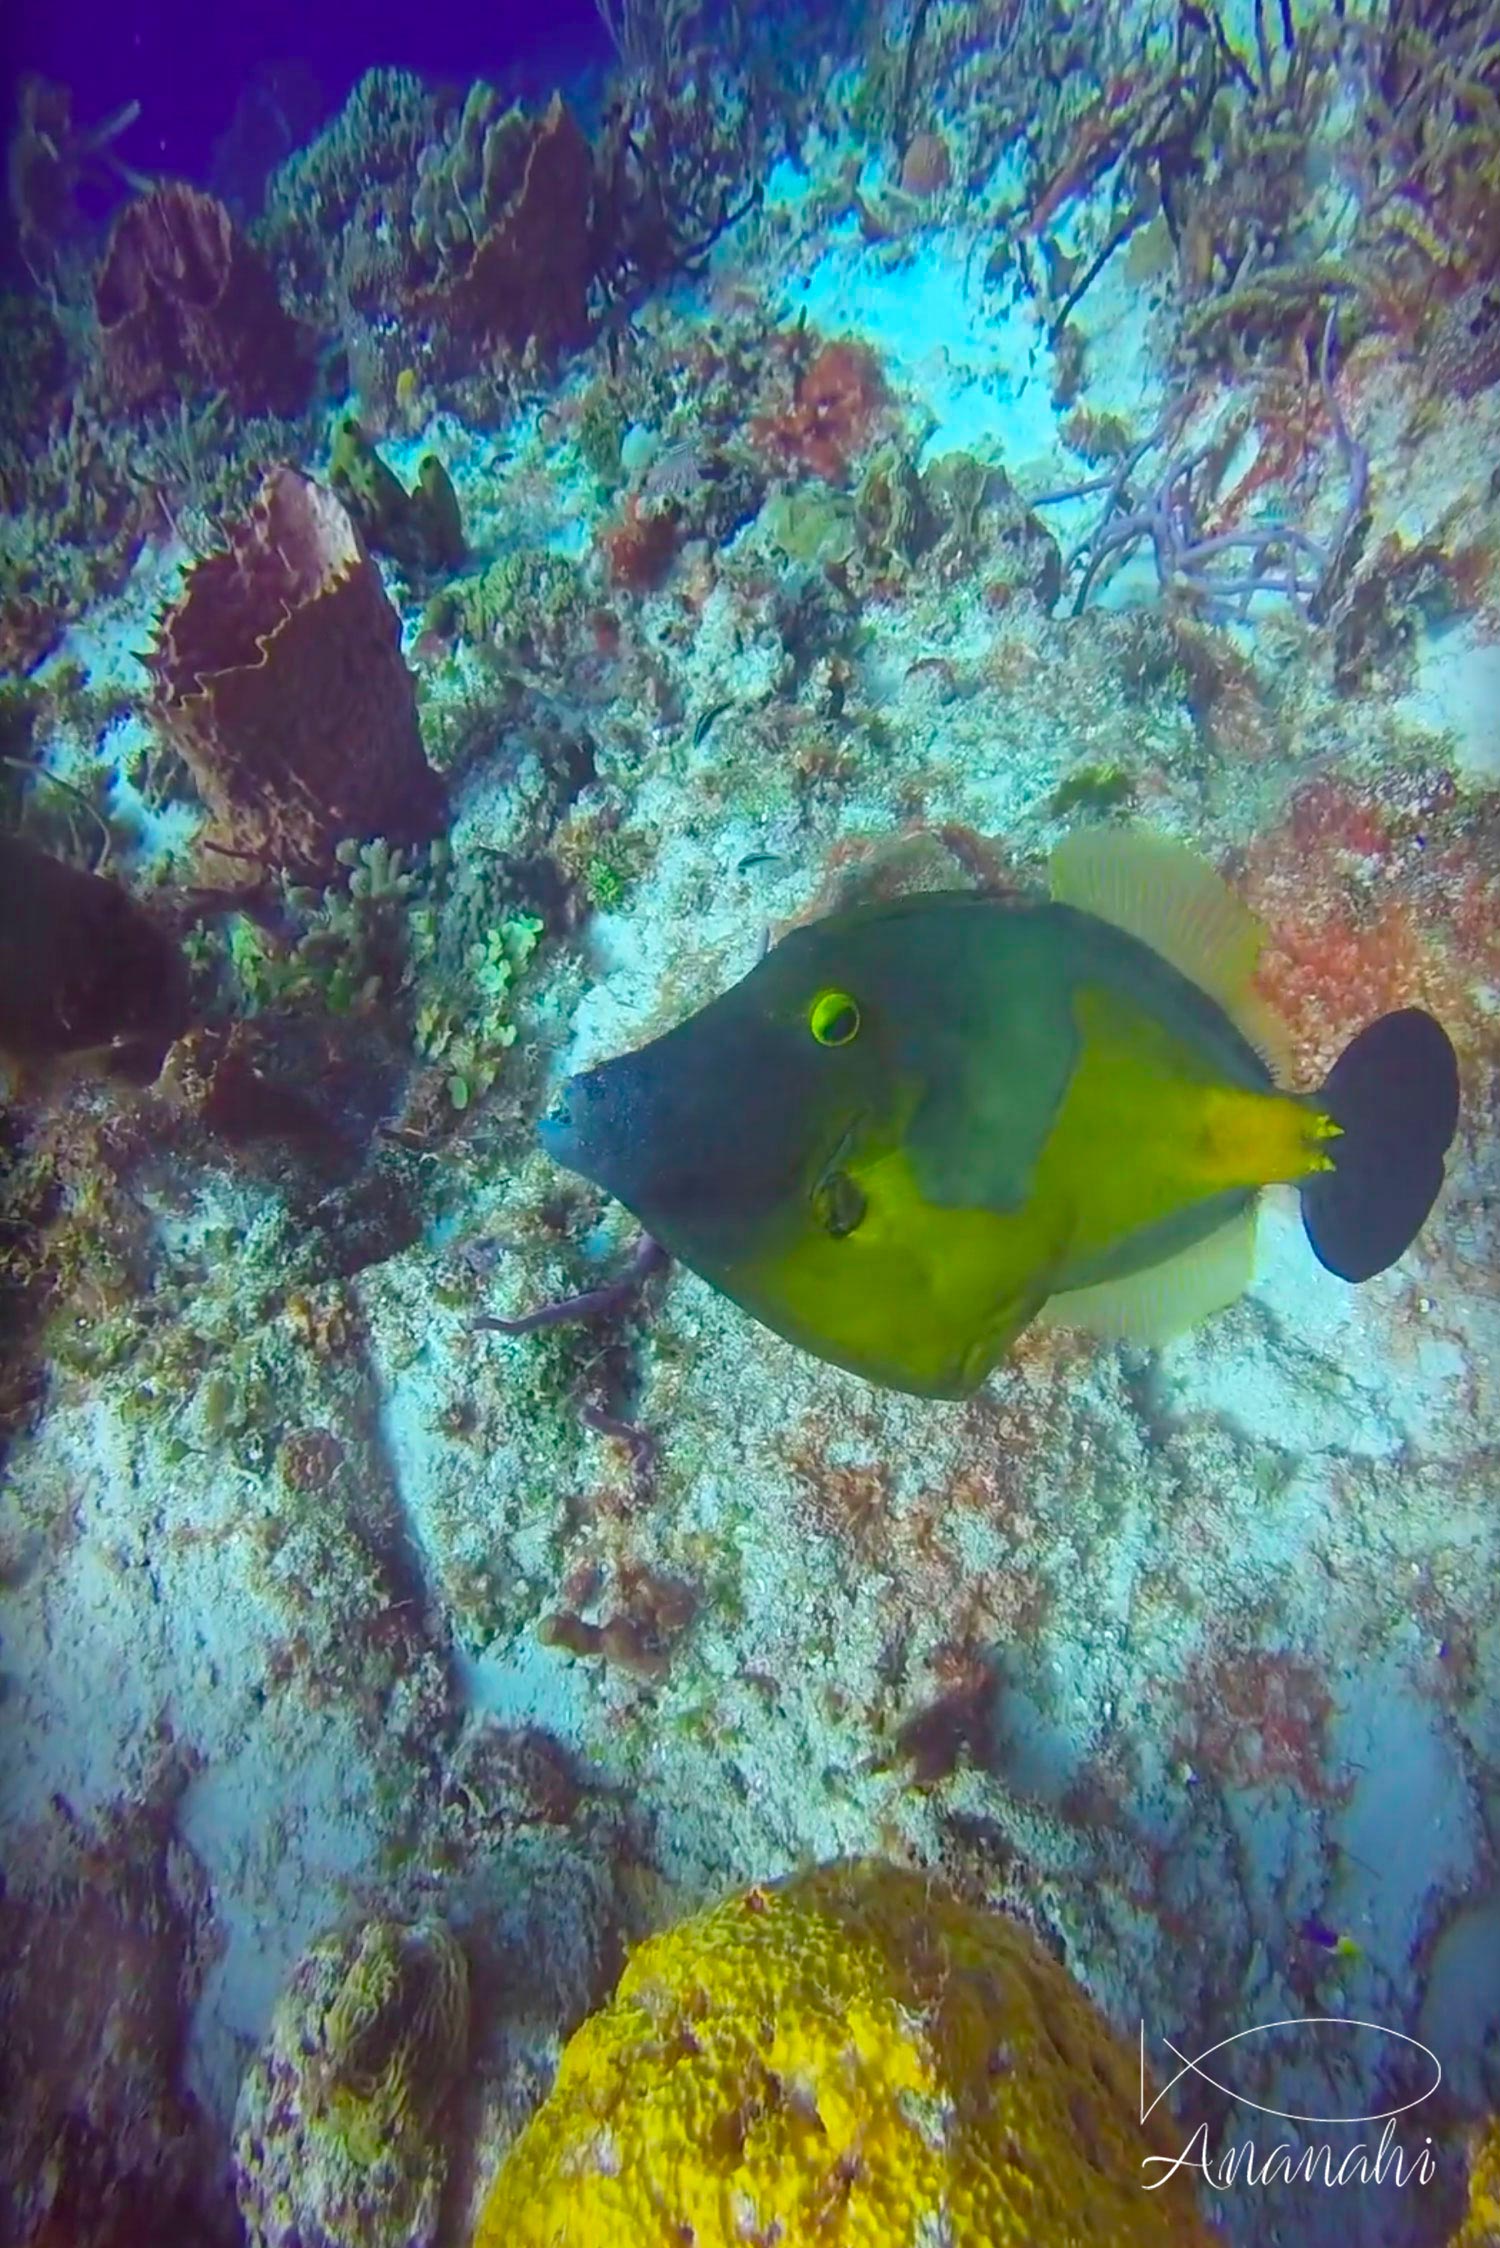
(1194, 2067)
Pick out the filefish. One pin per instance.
(86, 975)
(919, 1125)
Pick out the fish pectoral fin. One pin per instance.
(1164, 894)
(1153, 1305)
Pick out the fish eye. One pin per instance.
(833, 1018)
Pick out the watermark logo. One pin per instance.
(1315, 2161)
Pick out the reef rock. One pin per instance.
(279, 677)
(335, 2132)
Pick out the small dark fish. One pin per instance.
(85, 972)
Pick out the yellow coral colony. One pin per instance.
(852, 2058)
(1481, 2229)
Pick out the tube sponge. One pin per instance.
(852, 2057)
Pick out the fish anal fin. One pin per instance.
(1154, 1305)
(1164, 894)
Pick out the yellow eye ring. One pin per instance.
(833, 1018)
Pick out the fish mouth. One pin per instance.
(558, 1133)
(587, 1127)
(825, 1168)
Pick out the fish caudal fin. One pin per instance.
(1393, 1093)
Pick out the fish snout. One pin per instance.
(559, 1130)
(586, 1127)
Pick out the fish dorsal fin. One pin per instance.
(1152, 1306)
(1173, 901)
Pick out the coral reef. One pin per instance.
(83, 969)
(331, 205)
(73, 525)
(639, 548)
(336, 2136)
(47, 160)
(831, 417)
(1481, 2228)
(872, 444)
(1463, 349)
(183, 298)
(279, 678)
(851, 2050)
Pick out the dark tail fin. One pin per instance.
(1393, 1092)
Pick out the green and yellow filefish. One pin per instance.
(915, 1125)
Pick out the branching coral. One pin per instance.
(465, 1027)
(336, 951)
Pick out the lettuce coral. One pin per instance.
(852, 2056)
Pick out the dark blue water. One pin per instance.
(281, 67)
